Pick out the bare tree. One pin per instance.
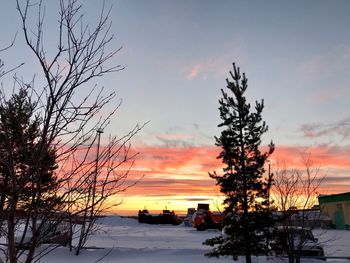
(4, 71)
(294, 193)
(86, 176)
(296, 187)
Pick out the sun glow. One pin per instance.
(131, 204)
(177, 177)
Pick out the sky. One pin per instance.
(177, 55)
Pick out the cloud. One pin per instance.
(341, 128)
(325, 75)
(186, 135)
(337, 180)
(173, 187)
(195, 126)
(198, 199)
(186, 161)
(194, 71)
(209, 68)
(183, 171)
(327, 64)
(323, 156)
(317, 130)
(174, 139)
(216, 65)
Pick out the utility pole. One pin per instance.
(99, 131)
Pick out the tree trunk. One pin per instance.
(34, 241)
(248, 258)
(11, 236)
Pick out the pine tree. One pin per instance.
(27, 179)
(242, 182)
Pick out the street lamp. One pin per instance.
(99, 131)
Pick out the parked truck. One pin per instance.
(204, 219)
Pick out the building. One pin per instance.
(337, 207)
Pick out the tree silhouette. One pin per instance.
(19, 136)
(246, 190)
(27, 180)
(67, 120)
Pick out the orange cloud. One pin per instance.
(180, 172)
(333, 164)
(321, 156)
(176, 171)
(177, 162)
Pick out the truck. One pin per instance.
(204, 219)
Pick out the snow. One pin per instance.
(124, 240)
(336, 243)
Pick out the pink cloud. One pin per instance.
(173, 171)
(210, 67)
(194, 72)
(322, 156)
(217, 65)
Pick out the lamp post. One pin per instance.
(99, 131)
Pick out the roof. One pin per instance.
(322, 199)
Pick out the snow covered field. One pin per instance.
(126, 241)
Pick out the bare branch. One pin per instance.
(83, 175)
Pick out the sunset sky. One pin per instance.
(177, 54)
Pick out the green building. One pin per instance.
(337, 207)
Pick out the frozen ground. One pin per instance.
(127, 241)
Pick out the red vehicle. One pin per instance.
(205, 219)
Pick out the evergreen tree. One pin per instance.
(27, 179)
(246, 190)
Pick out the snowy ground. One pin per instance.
(127, 241)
